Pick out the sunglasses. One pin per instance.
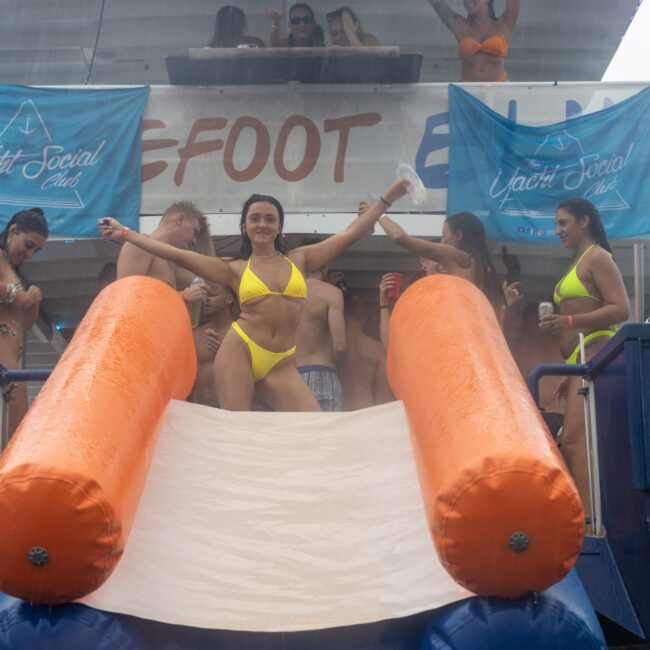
(305, 20)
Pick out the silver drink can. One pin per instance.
(544, 309)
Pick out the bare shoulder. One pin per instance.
(128, 250)
(133, 261)
(236, 264)
(601, 259)
(297, 256)
(332, 293)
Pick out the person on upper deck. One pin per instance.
(303, 29)
(230, 29)
(482, 37)
(346, 29)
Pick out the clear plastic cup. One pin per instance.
(194, 308)
(416, 190)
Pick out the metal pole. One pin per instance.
(639, 283)
(4, 421)
(591, 447)
(7, 378)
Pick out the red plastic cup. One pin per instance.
(393, 292)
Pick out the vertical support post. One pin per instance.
(591, 438)
(4, 423)
(639, 283)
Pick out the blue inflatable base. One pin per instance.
(558, 618)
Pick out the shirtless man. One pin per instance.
(320, 339)
(218, 308)
(181, 225)
(363, 374)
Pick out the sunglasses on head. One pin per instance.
(305, 20)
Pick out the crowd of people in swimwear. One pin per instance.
(481, 34)
(278, 331)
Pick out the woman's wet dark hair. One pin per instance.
(578, 208)
(246, 248)
(31, 220)
(473, 243)
(230, 24)
(493, 14)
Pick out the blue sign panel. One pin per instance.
(74, 153)
(513, 176)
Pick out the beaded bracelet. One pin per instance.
(124, 233)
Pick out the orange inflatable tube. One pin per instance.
(72, 475)
(504, 513)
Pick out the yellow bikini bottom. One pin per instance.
(262, 360)
(573, 357)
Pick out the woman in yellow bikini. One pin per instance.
(257, 356)
(592, 300)
(482, 37)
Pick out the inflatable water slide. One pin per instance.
(132, 519)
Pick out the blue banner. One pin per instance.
(513, 176)
(74, 153)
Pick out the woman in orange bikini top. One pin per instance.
(482, 37)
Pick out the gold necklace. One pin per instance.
(261, 257)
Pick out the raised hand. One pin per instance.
(212, 340)
(26, 299)
(110, 229)
(195, 293)
(275, 16)
(397, 190)
(348, 23)
(388, 287)
(363, 206)
(512, 292)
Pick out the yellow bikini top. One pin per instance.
(251, 286)
(570, 286)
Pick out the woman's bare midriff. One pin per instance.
(569, 338)
(11, 337)
(272, 321)
(482, 67)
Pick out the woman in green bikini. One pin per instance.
(592, 300)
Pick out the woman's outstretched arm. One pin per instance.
(453, 20)
(213, 269)
(511, 14)
(317, 255)
(453, 260)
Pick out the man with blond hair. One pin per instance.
(182, 225)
